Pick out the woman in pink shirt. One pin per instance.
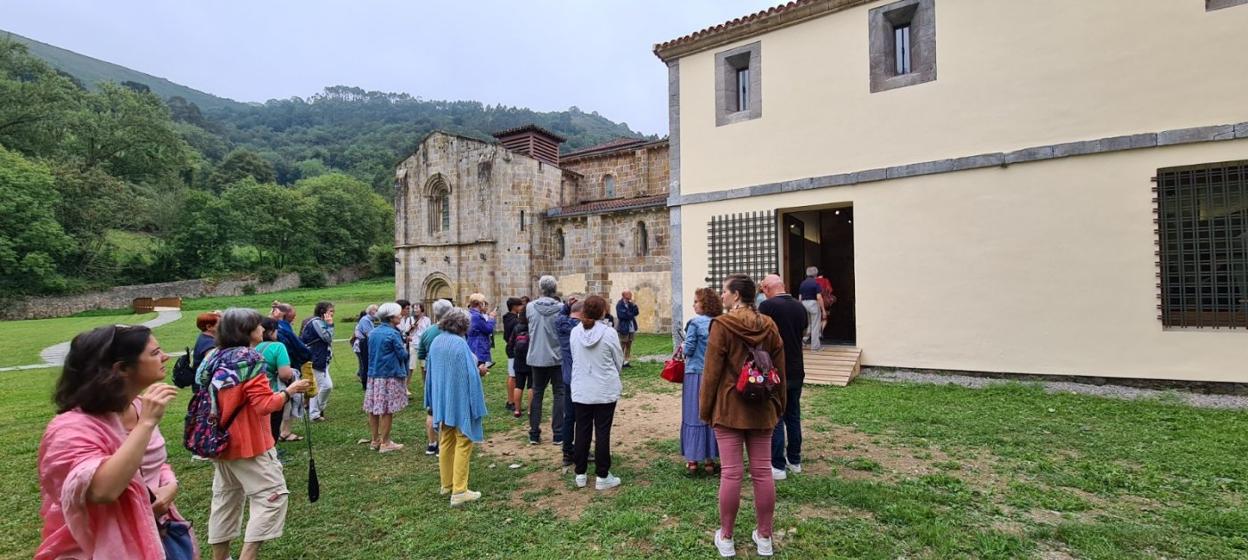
(103, 478)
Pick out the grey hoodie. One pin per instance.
(596, 361)
(542, 314)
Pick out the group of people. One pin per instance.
(108, 490)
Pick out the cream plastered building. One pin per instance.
(1056, 187)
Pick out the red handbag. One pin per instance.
(674, 368)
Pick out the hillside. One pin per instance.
(92, 71)
(343, 128)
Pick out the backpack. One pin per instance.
(203, 433)
(758, 379)
(183, 373)
(520, 343)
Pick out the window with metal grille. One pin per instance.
(1202, 218)
(743, 89)
(744, 243)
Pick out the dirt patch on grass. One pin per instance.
(639, 419)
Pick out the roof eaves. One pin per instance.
(751, 25)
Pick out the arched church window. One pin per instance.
(439, 204)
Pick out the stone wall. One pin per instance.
(639, 172)
(120, 297)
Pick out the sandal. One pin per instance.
(388, 447)
(711, 468)
(291, 437)
(691, 468)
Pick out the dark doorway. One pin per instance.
(824, 239)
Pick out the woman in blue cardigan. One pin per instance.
(697, 439)
(386, 393)
(480, 328)
(454, 392)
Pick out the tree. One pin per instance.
(128, 134)
(346, 217)
(275, 219)
(32, 243)
(36, 101)
(241, 164)
(204, 235)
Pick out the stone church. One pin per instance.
(493, 217)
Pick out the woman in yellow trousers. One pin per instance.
(454, 392)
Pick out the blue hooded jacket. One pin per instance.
(563, 328)
(480, 335)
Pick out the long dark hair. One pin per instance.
(270, 327)
(594, 309)
(89, 379)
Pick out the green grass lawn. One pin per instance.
(21, 341)
(891, 471)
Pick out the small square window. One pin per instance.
(903, 44)
(738, 84)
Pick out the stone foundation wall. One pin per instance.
(120, 297)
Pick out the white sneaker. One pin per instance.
(764, 545)
(796, 468)
(581, 480)
(611, 481)
(464, 497)
(778, 474)
(727, 549)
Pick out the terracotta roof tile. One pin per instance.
(750, 25)
(612, 146)
(611, 205)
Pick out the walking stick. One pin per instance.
(314, 483)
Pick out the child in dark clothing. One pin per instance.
(519, 347)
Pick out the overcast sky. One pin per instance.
(542, 54)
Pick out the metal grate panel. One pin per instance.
(742, 243)
(1202, 219)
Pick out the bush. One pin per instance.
(249, 290)
(381, 260)
(267, 274)
(312, 279)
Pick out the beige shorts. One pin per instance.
(258, 480)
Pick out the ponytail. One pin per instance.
(595, 308)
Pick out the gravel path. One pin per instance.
(1233, 402)
(55, 355)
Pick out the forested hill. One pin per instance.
(361, 133)
(129, 181)
(90, 72)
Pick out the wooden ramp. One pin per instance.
(832, 365)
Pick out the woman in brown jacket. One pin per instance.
(739, 423)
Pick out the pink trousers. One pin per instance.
(758, 444)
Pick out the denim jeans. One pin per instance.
(791, 422)
(543, 376)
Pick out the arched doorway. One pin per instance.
(437, 288)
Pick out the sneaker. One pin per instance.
(581, 480)
(764, 545)
(611, 481)
(628, 364)
(535, 441)
(557, 442)
(198, 458)
(727, 549)
(511, 406)
(444, 491)
(431, 449)
(464, 497)
(778, 474)
(796, 468)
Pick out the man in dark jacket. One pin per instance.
(569, 318)
(626, 312)
(791, 319)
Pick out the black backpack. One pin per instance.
(183, 373)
